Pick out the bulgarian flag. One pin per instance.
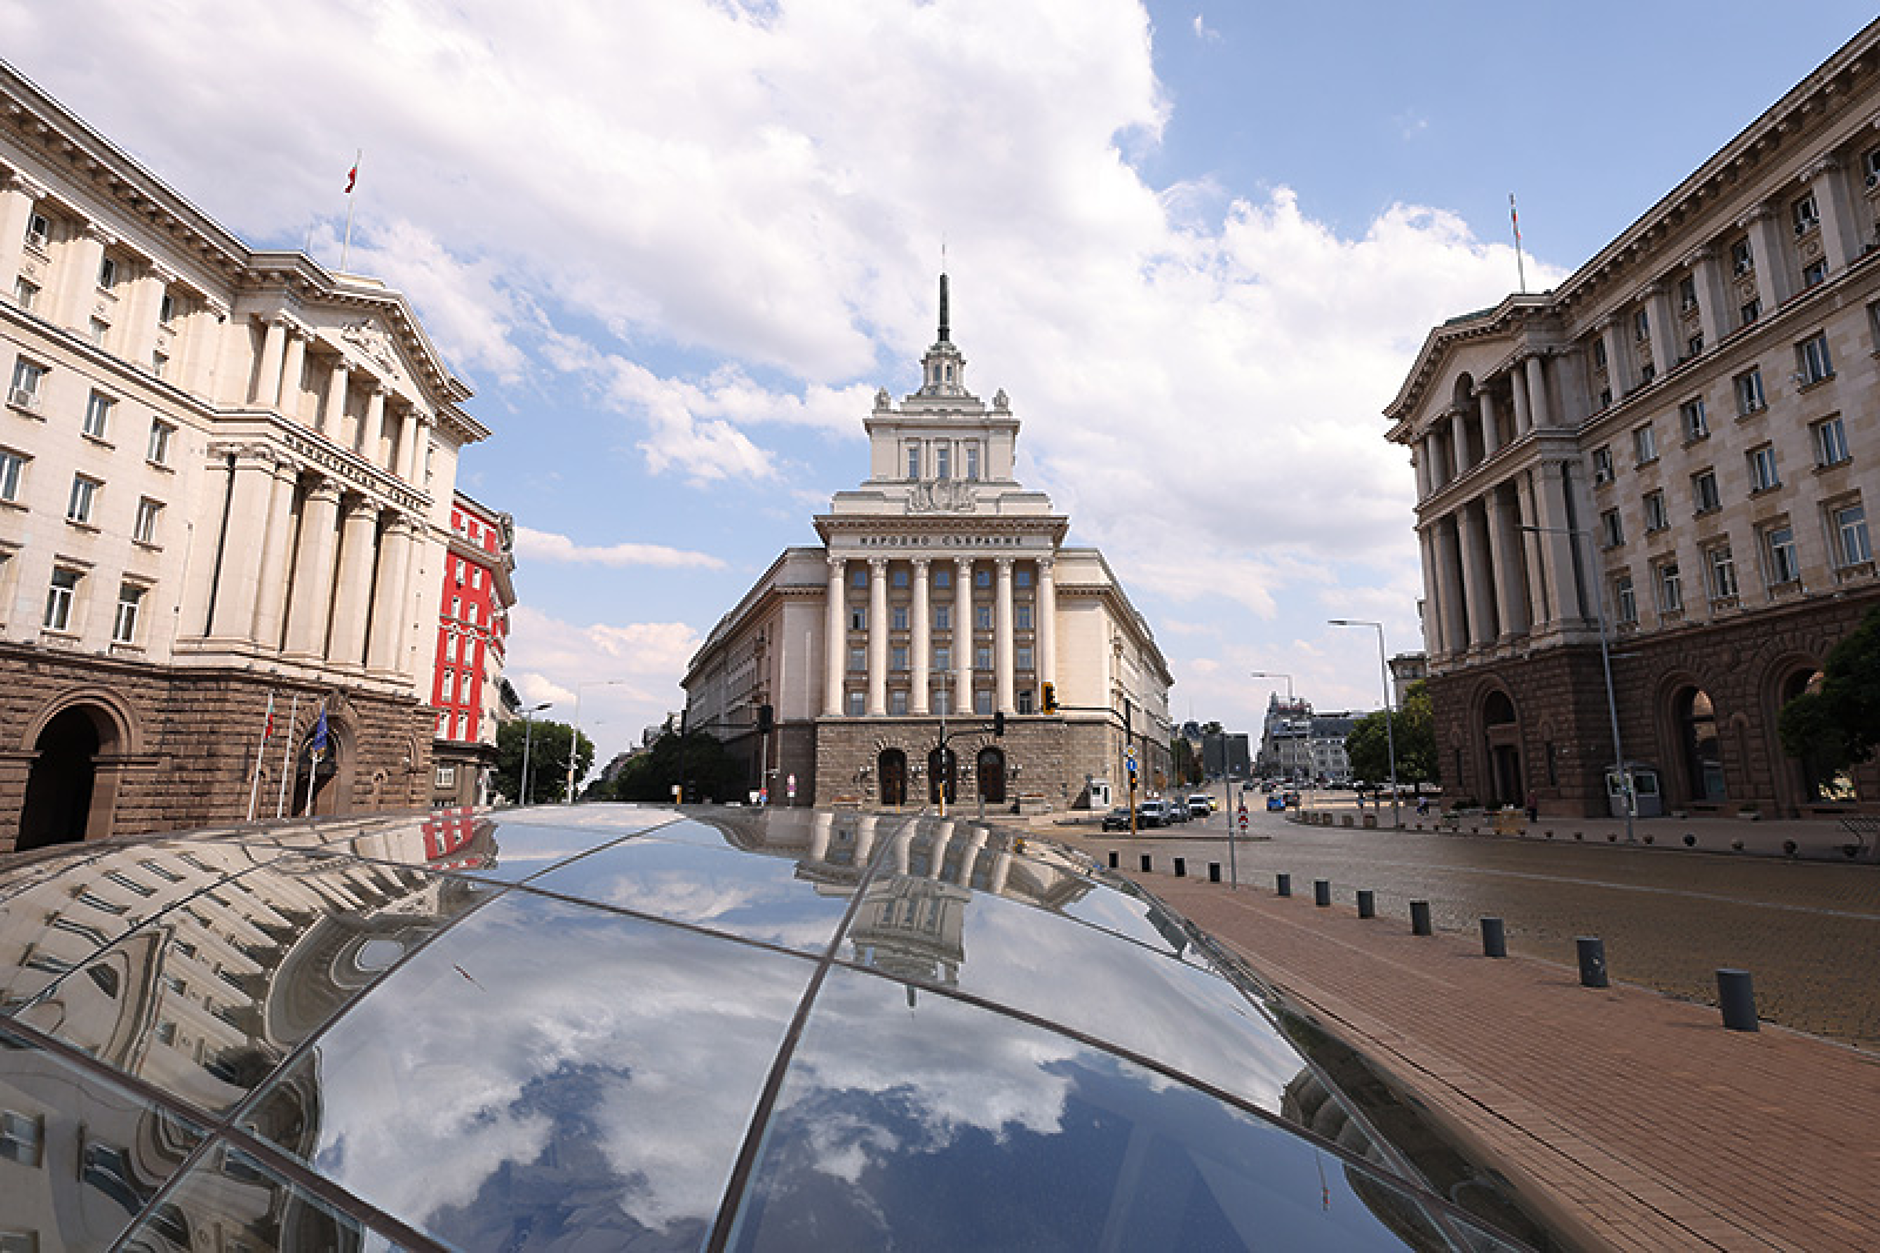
(352, 175)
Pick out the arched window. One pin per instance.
(1819, 782)
(1703, 751)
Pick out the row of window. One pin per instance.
(1847, 536)
(457, 685)
(898, 617)
(39, 239)
(939, 702)
(938, 455)
(942, 577)
(85, 500)
(469, 570)
(28, 391)
(942, 659)
(65, 604)
(446, 720)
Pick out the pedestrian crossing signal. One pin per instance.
(1050, 698)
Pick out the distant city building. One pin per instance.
(1326, 746)
(1286, 739)
(943, 596)
(1676, 447)
(1224, 755)
(472, 638)
(1405, 669)
(225, 483)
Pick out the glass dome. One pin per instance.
(624, 1027)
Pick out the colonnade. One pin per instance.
(391, 440)
(920, 635)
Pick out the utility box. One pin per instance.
(1648, 801)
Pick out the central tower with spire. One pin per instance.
(943, 369)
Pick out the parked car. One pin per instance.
(1200, 805)
(1176, 810)
(1152, 813)
(1117, 819)
(1275, 802)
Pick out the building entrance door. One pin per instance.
(891, 768)
(942, 766)
(992, 776)
(59, 788)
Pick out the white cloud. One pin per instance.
(1204, 32)
(533, 545)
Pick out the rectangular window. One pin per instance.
(1830, 439)
(1599, 354)
(1812, 361)
(898, 577)
(463, 726)
(982, 658)
(1625, 602)
(25, 293)
(443, 726)
(124, 626)
(1850, 534)
(12, 470)
(83, 502)
(943, 617)
(941, 701)
(1645, 445)
(456, 607)
(1815, 273)
(450, 648)
(942, 462)
(98, 415)
(943, 578)
(897, 618)
(982, 617)
(166, 309)
(982, 577)
(1641, 326)
(38, 230)
(858, 660)
(21, 1137)
(446, 776)
(1762, 469)
(1694, 345)
(107, 272)
(858, 704)
(897, 701)
(898, 657)
(1611, 529)
(1805, 214)
(1749, 391)
(1022, 657)
(1779, 544)
(1602, 465)
(1022, 612)
(1691, 417)
(913, 461)
(1655, 517)
(942, 660)
(1704, 496)
(1670, 589)
(1024, 702)
(982, 701)
(858, 618)
(160, 366)
(59, 598)
(158, 453)
(1722, 572)
(28, 378)
(1749, 311)
(99, 329)
(858, 577)
(972, 463)
(1021, 576)
(1687, 293)
(1742, 258)
(144, 529)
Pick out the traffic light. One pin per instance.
(998, 722)
(766, 719)
(1050, 698)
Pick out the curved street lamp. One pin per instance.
(1390, 735)
(528, 733)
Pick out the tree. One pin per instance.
(547, 743)
(711, 773)
(1836, 724)
(1368, 744)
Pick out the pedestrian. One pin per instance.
(1533, 806)
(1423, 806)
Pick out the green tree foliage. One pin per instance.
(1838, 723)
(547, 744)
(1368, 744)
(711, 773)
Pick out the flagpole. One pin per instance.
(254, 783)
(345, 250)
(1514, 221)
(287, 759)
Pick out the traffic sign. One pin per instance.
(1243, 819)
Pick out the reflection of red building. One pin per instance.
(472, 627)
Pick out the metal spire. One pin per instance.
(943, 307)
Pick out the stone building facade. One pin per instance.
(1675, 451)
(943, 600)
(225, 479)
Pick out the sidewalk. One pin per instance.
(1641, 1118)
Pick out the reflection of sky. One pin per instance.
(1062, 972)
(760, 898)
(945, 1126)
(544, 1057)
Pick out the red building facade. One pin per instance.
(472, 631)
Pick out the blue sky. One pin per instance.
(675, 245)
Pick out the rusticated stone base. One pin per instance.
(176, 747)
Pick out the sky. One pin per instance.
(676, 245)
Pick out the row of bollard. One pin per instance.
(1735, 995)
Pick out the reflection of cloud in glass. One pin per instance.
(542, 1052)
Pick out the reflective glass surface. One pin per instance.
(232, 1200)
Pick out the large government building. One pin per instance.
(942, 602)
(225, 492)
(1675, 449)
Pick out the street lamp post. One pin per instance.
(528, 733)
(1275, 674)
(1605, 665)
(1390, 734)
(574, 741)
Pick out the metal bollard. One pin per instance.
(1419, 917)
(1145, 863)
(1494, 938)
(1214, 872)
(1367, 903)
(1282, 884)
(1592, 961)
(1322, 893)
(1113, 859)
(1181, 867)
(1736, 999)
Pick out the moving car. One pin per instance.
(1152, 813)
(1176, 810)
(1117, 819)
(1275, 802)
(1200, 805)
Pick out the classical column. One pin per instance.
(1523, 414)
(923, 639)
(1773, 285)
(1502, 549)
(293, 374)
(1666, 342)
(1707, 278)
(1558, 543)
(1840, 242)
(1538, 405)
(963, 635)
(1420, 464)
(1618, 377)
(410, 435)
(1459, 461)
(835, 639)
(389, 612)
(1002, 658)
(1432, 604)
(1491, 422)
(877, 636)
(1532, 550)
(276, 537)
(313, 570)
(18, 198)
(83, 259)
(359, 536)
(372, 431)
(267, 393)
(1047, 621)
(333, 420)
(1477, 581)
(1449, 574)
(233, 614)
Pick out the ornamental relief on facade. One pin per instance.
(942, 496)
(372, 343)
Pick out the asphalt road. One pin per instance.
(1808, 932)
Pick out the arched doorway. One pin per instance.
(942, 772)
(991, 774)
(891, 769)
(317, 789)
(1702, 750)
(63, 777)
(1819, 784)
(1501, 733)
